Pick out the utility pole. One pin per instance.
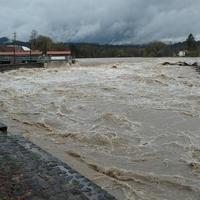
(30, 52)
(14, 43)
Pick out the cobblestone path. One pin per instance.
(29, 173)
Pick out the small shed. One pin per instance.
(182, 53)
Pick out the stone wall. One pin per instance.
(29, 173)
(17, 66)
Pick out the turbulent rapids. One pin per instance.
(131, 125)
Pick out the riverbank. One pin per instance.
(28, 172)
(4, 68)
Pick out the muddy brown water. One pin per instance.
(134, 128)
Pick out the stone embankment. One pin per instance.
(29, 173)
(4, 68)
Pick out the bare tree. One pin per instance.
(33, 39)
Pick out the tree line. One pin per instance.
(153, 49)
(45, 43)
(86, 50)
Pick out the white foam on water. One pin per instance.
(137, 123)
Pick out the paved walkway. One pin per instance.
(29, 173)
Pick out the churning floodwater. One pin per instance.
(134, 128)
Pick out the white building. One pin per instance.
(182, 53)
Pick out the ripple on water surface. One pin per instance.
(135, 125)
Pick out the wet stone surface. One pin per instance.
(29, 173)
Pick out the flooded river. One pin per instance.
(134, 128)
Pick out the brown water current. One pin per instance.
(134, 129)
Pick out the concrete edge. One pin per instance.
(91, 190)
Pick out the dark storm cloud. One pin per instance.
(106, 21)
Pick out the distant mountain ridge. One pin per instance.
(4, 40)
(176, 46)
(7, 41)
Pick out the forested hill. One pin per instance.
(154, 49)
(87, 50)
(6, 41)
(83, 50)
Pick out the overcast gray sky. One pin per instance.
(103, 21)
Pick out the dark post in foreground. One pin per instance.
(3, 128)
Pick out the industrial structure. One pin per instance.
(56, 56)
(13, 54)
(59, 55)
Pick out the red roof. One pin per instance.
(21, 53)
(58, 53)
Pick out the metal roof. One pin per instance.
(26, 48)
